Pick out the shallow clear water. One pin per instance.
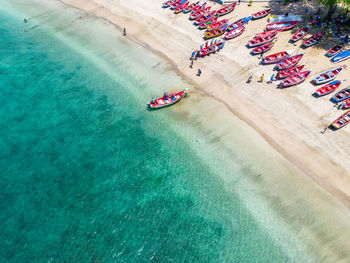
(87, 174)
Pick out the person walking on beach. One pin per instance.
(191, 63)
(199, 72)
(124, 32)
(262, 78)
(272, 78)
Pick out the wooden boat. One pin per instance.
(295, 79)
(241, 22)
(334, 51)
(167, 100)
(177, 4)
(261, 14)
(313, 40)
(345, 105)
(289, 62)
(258, 41)
(234, 33)
(289, 72)
(199, 7)
(328, 88)
(209, 22)
(214, 33)
(299, 34)
(327, 76)
(341, 56)
(262, 49)
(190, 7)
(267, 33)
(204, 18)
(199, 13)
(181, 7)
(227, 9)
(341, 95)
(169, 3)
(218, 25)
(282, 26)
(210, 48)
(341, 121)
(277, 57)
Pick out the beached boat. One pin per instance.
(181, 7)
(234, 33)
(289, 62)
(267, 33)
(258, 41)
(282, 26)
(240, 22)
(295, 79)
(342, 120)
(345, 105)
(167, 100)
(327, 75)
(313, 40)
(341, 56)
(209, 22)
(289, 72)
(218, 25)
(214, 33)
(277, 57)
(169, 3)
(204, 18)
(328, 88)
(199, 13)
(190, 7)
(226, 9)
(199, 7)
(262, 49)
(334, 51)
(208, 49)
(299, 34)
(341, 95)
(177, 4)
(261, 14)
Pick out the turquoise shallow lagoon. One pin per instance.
(89, 175)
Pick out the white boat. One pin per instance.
(283, 18)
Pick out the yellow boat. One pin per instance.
(214, 33)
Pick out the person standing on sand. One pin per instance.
(272, 78)
(124, 32)
(191, 63)
(262, 78)
(199, 72)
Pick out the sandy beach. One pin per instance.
(290, 120)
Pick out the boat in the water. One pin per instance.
(289, 62)
(282, 26)
(342, 120)
(267, 33)
(167, 99)
(240, 22)
(341, 95)
(190, 7)
(218, 25)
(341, 56)
(327, 75)
(345, 105)
(277, 57)
(212, 20)
(334, 51)
(299, 34)
(214, 33)
(295, 79)
(262, 49)
(200, 12)
(289, 72)
(313, 40)
(234, 33)
(328, 88)
(227, 9)
(258, 41)
(261, 14)
(181, 7)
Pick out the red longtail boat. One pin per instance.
(205, 18)
(199, 13)
(299, 34)
(342, 120)
(212, 20)
(313, 40)
(277, 57)
(199, 7)
(267, 33)
(282, 26)
(334, 50)
(226, 9)
(328, 88)
(289, 72)
(295, 79)
(218, 24)
(167, 100)
(261, 14)
(190, 7)
(181, 7)
(289, 62)
(263, 48)
(234, 33)
(258, 41)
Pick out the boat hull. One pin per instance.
(341, 56)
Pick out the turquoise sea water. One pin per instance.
(89, 175)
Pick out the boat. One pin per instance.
(328, 88)
(341, 56)
(282, 26)
(214, 33)
(283, 18)
(261, 14)
(199, 7)
(204, 18)
(267, 33)
(327, 75)
(199, 13)
(258, 41)
(210, 48)
(177, 4)
(345, 105)
(169, 3)
(289, 62)
(262, 49)
(313, 40)
(289, 71)
(295, 79)
(234, 33)
(218, 25)
(239, 23)
(190, 7)
(299, 34)
(204, 25)
(167, 100)
(341, 95)
(341, 121)
(227, 9)
(181, 7)
(334, 51)
(277, 57)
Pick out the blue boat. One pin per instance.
(341, 56)
(341, 95)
